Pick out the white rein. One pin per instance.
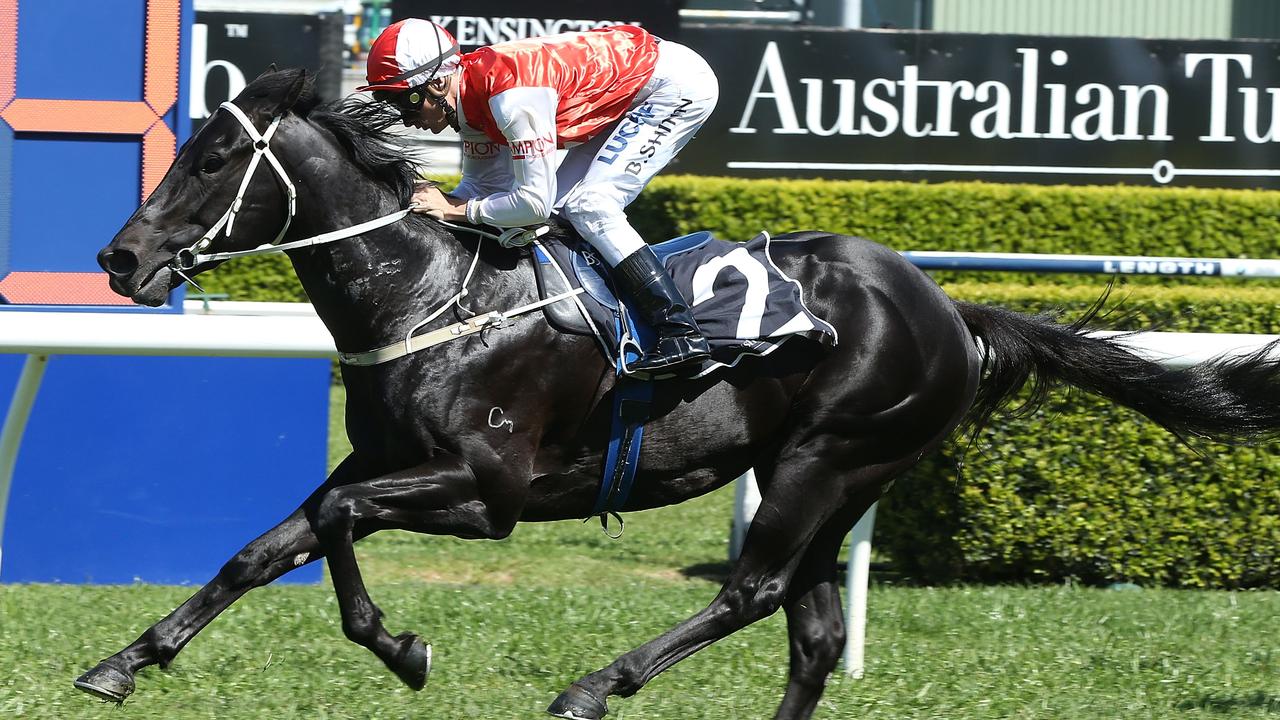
(191, 257)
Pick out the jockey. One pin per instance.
(620, 101)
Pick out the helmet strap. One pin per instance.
(442, 101)
(450, 114)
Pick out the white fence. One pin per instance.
(226, 329)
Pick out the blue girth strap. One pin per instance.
(631, 403)
(631, 400)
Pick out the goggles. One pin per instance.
(406, 101)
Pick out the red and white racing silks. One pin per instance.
(594, 75)
(622, 102)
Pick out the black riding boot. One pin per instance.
(645, 283)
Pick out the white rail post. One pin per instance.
(746, 501)
(857, 581)
(857, 572)
(15, 424)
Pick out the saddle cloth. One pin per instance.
(742, 301)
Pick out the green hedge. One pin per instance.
(975, 216)
(1088, 491)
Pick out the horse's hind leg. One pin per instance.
(797, 503)
(815, 623)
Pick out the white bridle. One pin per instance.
(189, 258)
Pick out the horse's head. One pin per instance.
(192, 208)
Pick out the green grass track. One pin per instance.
(513, 622)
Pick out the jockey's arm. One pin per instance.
(486, 170)
(486, 167)
(527, 119)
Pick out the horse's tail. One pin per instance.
(1227, 399)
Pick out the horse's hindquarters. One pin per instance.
(906, 369)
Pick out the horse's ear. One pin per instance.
(270, 69)
(275, 93)
(295, 90)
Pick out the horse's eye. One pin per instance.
(212, 164)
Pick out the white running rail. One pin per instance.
(229, 329)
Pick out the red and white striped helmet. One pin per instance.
(409, 53)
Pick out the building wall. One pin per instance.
(1198, 19)
(1255, 19)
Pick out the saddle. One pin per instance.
(743, 303)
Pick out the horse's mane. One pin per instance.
(362, 128)
(359, 124)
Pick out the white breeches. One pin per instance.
(600, 177)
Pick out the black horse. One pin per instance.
(825, 429)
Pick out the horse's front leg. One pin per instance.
(288, 545)
(440, 497)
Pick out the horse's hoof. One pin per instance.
(577, 703)
(106, 683)
(413, 663)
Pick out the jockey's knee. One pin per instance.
(600, 220)
(593, 211)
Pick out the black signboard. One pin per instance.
(229, 49)
(939, 106)
(485, 22)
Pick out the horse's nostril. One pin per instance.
(119, 262)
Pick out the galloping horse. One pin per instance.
(826, 429)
